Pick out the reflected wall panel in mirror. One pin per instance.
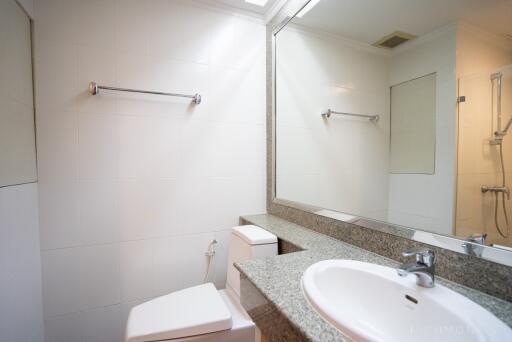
(400, 118)
(17, 136)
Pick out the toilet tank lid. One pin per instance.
(254, 235)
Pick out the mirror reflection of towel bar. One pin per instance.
(370, 117)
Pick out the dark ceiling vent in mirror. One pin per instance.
(394, 39)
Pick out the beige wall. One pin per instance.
(478, 55)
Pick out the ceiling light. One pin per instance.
(307, 8)
(257, 2)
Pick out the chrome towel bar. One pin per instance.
(370, 117)
(94, 89)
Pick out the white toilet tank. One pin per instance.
(248, 242)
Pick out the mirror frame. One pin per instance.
(287, 13)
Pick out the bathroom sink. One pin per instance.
(369, 302)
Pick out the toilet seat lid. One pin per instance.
(193, 311)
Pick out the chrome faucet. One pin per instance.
(474, 244)
(423, 268)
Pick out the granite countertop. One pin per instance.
(278, 278)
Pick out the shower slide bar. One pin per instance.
(94, 89)
(329, 112)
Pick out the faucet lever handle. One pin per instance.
(423, 255)
(477, 238)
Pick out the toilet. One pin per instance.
(202, 313)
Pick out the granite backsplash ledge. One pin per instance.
(483, 275)
(271, 291)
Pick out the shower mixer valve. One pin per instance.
(496, 189)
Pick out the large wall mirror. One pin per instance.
(404, 117)
(17, 134)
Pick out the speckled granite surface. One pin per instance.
(480, 274)
(271, 293)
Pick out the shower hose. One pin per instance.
(497, 201)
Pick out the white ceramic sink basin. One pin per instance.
(370, 302)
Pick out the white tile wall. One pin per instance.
(136, 270)
(133, 187)
(21, 312)
(342, 163)
(339, 163)
(21, 309)
(103, 324)
(427, 201)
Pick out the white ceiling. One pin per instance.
(369, 20)
(241, 4)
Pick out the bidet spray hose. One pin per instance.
(210, 254)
